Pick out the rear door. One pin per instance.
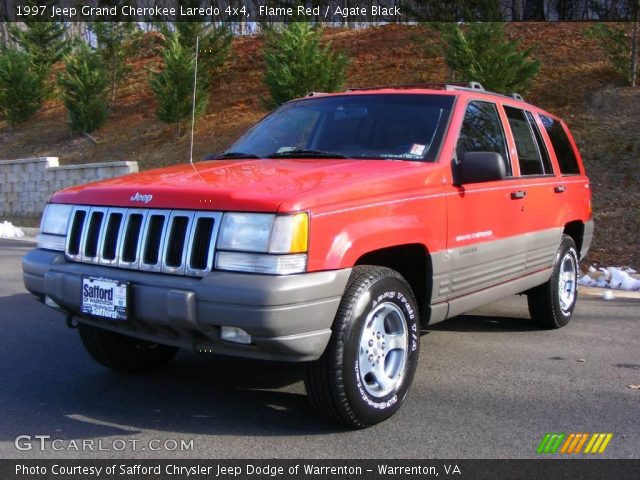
(541, 208)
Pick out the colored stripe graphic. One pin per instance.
(551, 442)
(572, 443)
(598, 443)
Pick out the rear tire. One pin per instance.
(551, 304)
(366, 370)
(123, 353)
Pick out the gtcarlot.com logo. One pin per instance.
(574, 443)
(46, 442)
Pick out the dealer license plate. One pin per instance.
(102, 297)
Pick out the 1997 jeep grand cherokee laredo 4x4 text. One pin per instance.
(325, 234)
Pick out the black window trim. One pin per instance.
(498, 106)
(535, 175)
(544, 144)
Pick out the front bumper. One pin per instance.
(288, 317)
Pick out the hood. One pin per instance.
(250, 185)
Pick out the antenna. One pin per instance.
(193, 106)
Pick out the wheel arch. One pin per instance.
(575, 229)
(412, 261)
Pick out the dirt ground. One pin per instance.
(575, 82)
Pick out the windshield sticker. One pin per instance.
(417, 149)
(285, 149)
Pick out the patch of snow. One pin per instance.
(613, 278)
(587, 281)
(7, 230)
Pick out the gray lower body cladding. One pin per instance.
(288, 317)
(587, 238)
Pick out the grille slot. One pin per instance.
(75, 234)
(93, 234)
(175, 245)
(169, 241)
(201, 243)
(154, 239)
(110, 244)
(132, 238)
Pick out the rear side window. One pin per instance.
(532, 157)
(542, 148)
(482, 132)
(561, 145)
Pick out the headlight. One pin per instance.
(248, 232)
(263, 243)
(56, 219)
(53, 228)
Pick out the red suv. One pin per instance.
(327, 234)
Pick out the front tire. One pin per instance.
(123, 353)
(366, 370)
(551, 304)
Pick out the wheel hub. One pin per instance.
(383, 349)
(567, 282)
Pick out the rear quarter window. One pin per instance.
(561, 145)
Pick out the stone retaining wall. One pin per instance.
(27, 184)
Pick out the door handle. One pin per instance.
(518, 194)
(559, 189)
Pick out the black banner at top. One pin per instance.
(318, 11)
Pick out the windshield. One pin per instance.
(394, 126)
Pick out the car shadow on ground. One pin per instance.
(485, 323)
(50, 385)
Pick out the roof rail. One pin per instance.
(316, 94)
(477, 87)
(469, 87)
(408, 86)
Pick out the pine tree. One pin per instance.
(45, 42)
(615, 44)
(84, 88)
(214, 41)
(297, 63)
(114, 40)
(21, 88)
(482, 54)
(214, 44)
(173, 85)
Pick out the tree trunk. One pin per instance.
(634, 45)
(533, 11)
(515, 11)
(113, 79)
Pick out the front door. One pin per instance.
(486, 244)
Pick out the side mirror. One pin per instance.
(477, 167)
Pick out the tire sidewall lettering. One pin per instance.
(402, 300)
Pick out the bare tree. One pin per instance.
(634, 43)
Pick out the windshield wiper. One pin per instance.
(301, 152)
(237, 155)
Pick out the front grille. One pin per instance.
(169, 241)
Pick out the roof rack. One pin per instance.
(407, 86)
(471, 86)
(474, 86)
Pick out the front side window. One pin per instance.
(561, 145)
(378, 126)
(482, 132)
